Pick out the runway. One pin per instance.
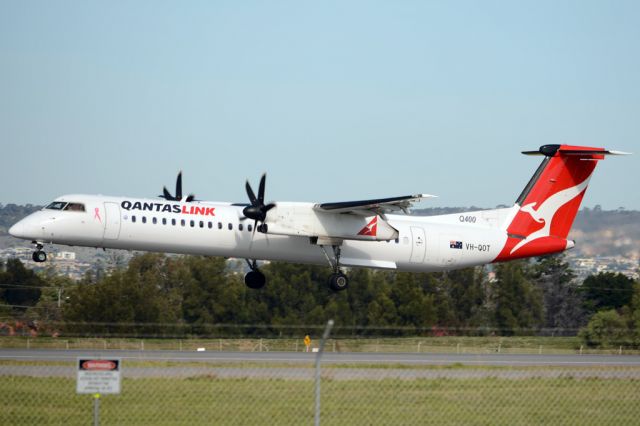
(425, 359)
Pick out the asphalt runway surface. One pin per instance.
(336, 366)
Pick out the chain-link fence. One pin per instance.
(254, 381)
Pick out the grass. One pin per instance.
(212, 400)
(451, 344)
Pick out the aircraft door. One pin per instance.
(419, 245)
(112, 221)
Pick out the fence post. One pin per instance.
(325, 335)
(96, 409)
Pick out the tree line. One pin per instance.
(175, 296)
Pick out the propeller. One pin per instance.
(178, 197)
(257, 210)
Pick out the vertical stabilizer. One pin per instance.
(546, 208)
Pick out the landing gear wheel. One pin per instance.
(338, 281)
(39, 256)
(255, 279)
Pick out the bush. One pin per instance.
(607, 329)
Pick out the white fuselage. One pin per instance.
(429, 243)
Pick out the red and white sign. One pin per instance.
(98, 376)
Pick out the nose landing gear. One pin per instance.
(39, 255)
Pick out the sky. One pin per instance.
(334, 100)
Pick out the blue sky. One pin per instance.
(334, 100)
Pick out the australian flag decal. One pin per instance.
(455, 244)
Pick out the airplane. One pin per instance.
(374, 233)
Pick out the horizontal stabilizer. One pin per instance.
(551, 150)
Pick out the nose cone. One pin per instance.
(17, 230)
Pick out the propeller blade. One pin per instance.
(166, 194)
(190, 198)
(250, 193)
(261, 188)
(179, 186)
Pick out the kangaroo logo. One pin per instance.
(371, 228)
(547, 210)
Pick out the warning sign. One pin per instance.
(98, 376)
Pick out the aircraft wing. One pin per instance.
(379, 206)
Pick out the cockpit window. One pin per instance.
(74, 207)
(56, 205)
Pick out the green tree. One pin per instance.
(211, 294)
(606, 329)
(517, 302)
(21, 286)
(48, 310)
(607, 290)
(135, 301)
(414, 305)
(466, 289)
(562, 299)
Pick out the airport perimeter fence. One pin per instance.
(271, 381)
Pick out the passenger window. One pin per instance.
(201, 224)
(240, 227)
(164, 220)
(398, 240)
(173, 222)
(154, 220)
(183, 222)
(133, 219)
(219, 225)
(144, 219)
(249, 227)
(192, 223)
(210, 225)
(230, 227)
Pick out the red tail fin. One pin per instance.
(545, 210)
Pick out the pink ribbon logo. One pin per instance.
(97, 214)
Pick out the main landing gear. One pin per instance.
(254, 278)
(39, 255)
(338, 281)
